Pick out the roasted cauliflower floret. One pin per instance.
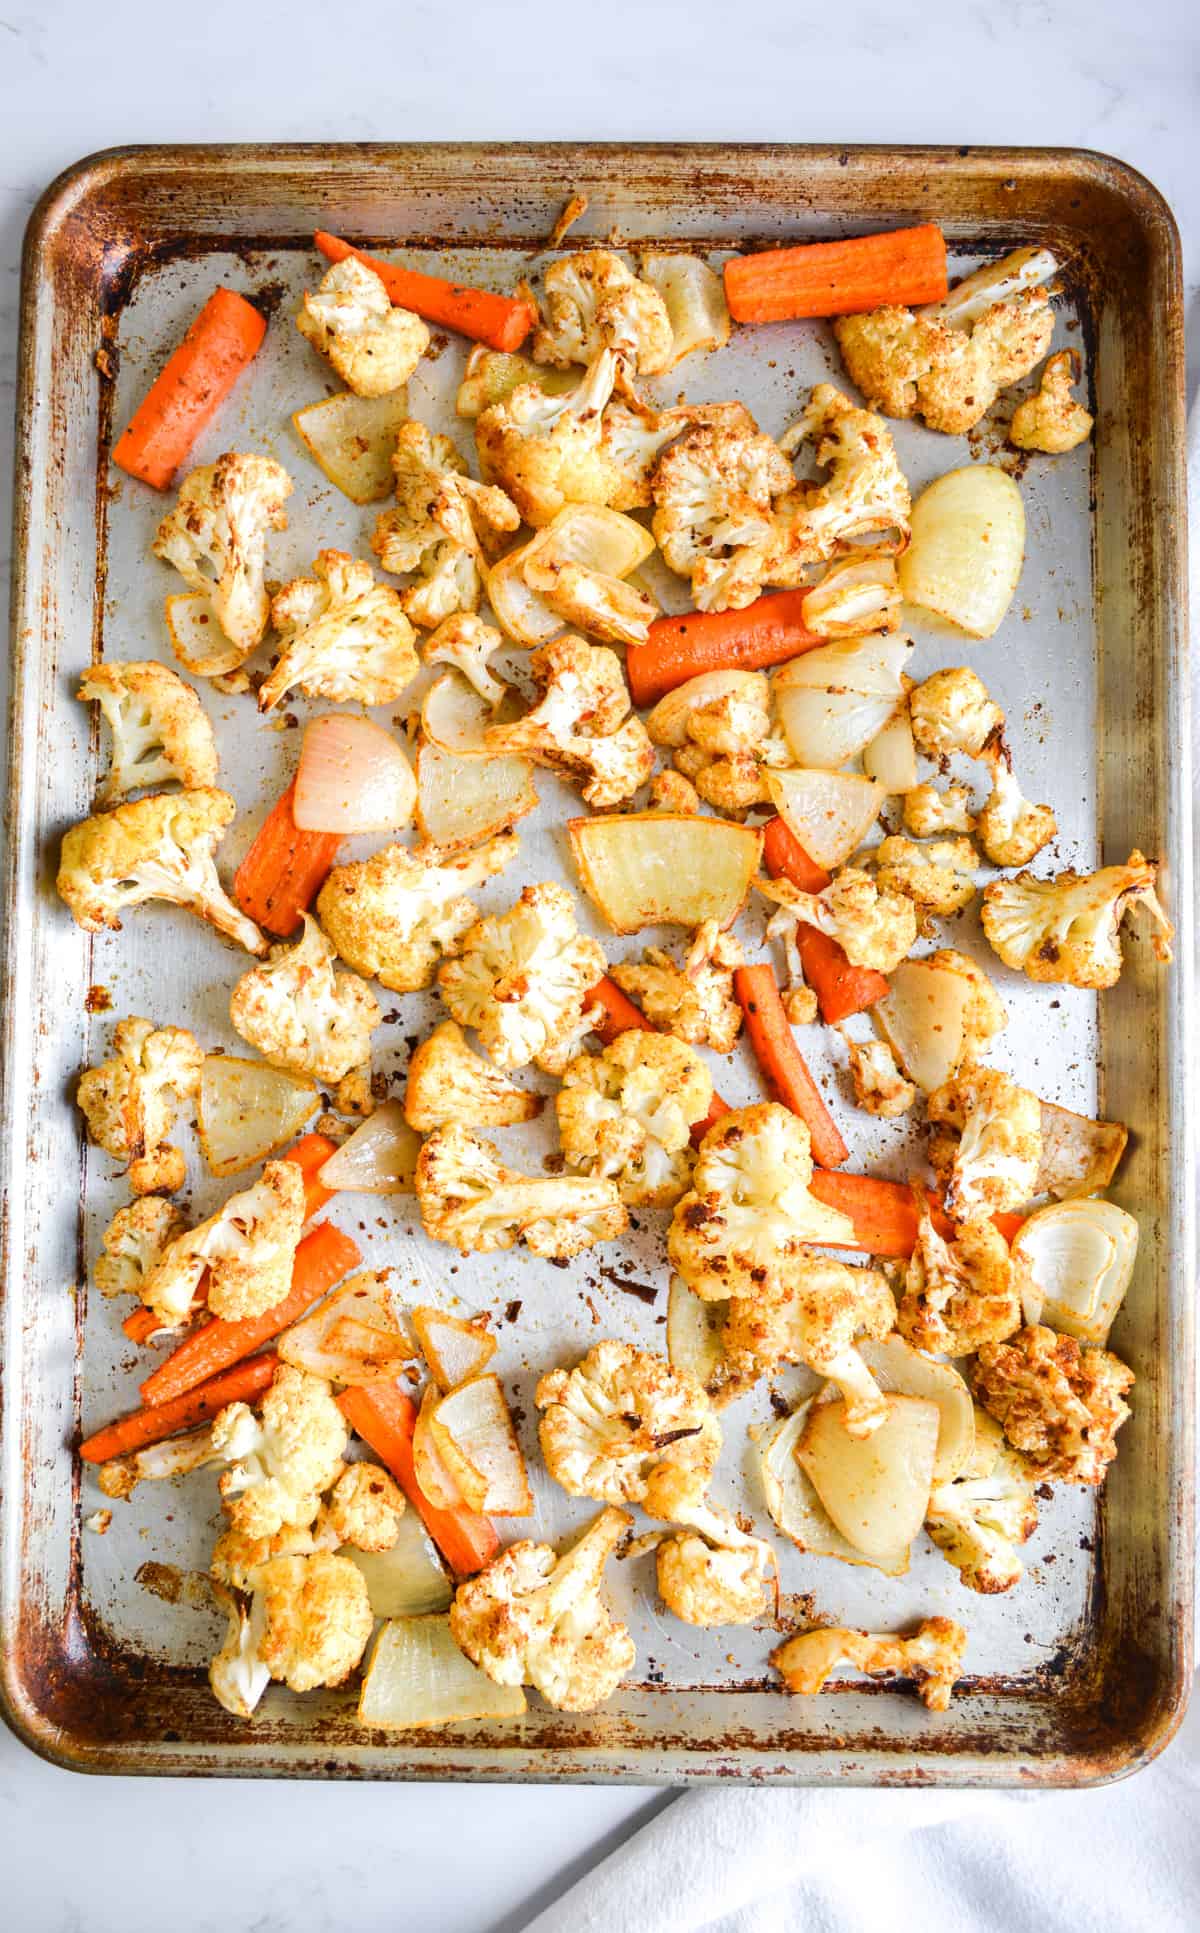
(985, 1014)
(1060, 1405)
(364, 1508)
(160, 730)
(937, 877)
(302, 1015)
(749, 1217)
(811, 1311)
(932, 1657)
(237, 1557)
(134, 1243)
(547, 451)
(535, 1618)
(628, 1112)
(594, 302)
(720, 730)
(866, 489)
(991, 1167)
(623, 1427)
(466, 643)
(448, 1083)
(308, 1624)
(129, 1102)
(958, 1293)
(879, 1086)
(930, 811)
(1051, 420)
(671, 792)
(156, 848)
(345, 637)
(1065, 930)
(469, 1198)
(694, 1002)
(373, 347)
(394, 916)
(1010, 830)
(582, 724)
(279, 1462)
(714, 492)
(216, 537)
(873, 921)
(247, 1248)
(978, 1520)
(440, 526)
(712, 1572)
(951, 712)
(522, 980)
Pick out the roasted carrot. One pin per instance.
(841, 989)
(241, 1384)
(907, 265)
(884, 1213)
(784, 857)
(715, 1113)
(767, 632)
(783, 1065)
(190, 388)
(310, 1154)
(284, 869)
(620, 1014)
(501, 321)
(323, 1257)
(142, 1323)
(385, 1417)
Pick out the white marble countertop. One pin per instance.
(75, 77)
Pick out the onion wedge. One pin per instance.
(245, 1110)
(474, 1433)
(694, 1334)
(901, 1370)
(434, 1479)
(967, 549)
(493, 374)
(1079, 1156)
(353, 1338)
(833, 701)
(891, 758)
(830, 813)
(923, 1019)
(521, 614)
(664, 868)
(694, 295)
(859, 593)
(408, 1580)
(795, 1507)
(419, 1678)
(1081, 1256)
(586, 533)
(875, 1488)
(353, 776)
(379, 1158)
(455, 1350)
(463, 801)
(352, 438)
(197, 638)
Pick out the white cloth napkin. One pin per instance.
(747, 1860)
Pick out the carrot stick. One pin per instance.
(322, 1258)
(619, 1012)
(783, 1065)
(841, 989)
(284, 869)
(190, 388)
(142, 1323)
(241, 1384)
(499, 320)
(839, 278)
(384, 1417)
(767, 632)
(884, 1213)
(783, 855)
(310, 1154)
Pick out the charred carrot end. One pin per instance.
(190, 388)
(322, 1258)
(284, 870)
(310, 1154)
(501, 321)
(241, 1384)
(385, 1417)
(767, 632)
(618, 1012)
(784, 857)
(907, 266)
(783, 1066)
(841, 989)
(884, 1214)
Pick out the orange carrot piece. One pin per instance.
(385, 1417)
(767, 632)
(784, 856)
(715, 1113)
(322, 1258)
(240, 1384)
(310, 1154)
(142, 1323)
(502, 321)
(284, 869)
(190, 388)
(905, 266)
(620, 1013)
(884, 1213)
(841, 989)
(783, 1065)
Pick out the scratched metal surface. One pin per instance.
(698, 1702)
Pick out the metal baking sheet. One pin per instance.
(1077, 1675)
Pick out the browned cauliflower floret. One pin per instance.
(811, 1311)
(160, 730)
(1060, 1405)
(719, 728)
(932, 1657)
(1065, 930)
(247, 1247)
(547, 451)
(951, 712)
(394, 916)
(938, 877)
(1051, 420)
(713, 1573)
(990, 1164)
(930, 811)
(671, 792)
(582, 724)
(958, 1293)
(624, 1427)
(363, 1508)
(628, 1112)
(984, 1015)
(442, 525)
(1010, 830)
(978, 1520)
(129, 1102)
(469, 1198)
(749, 1217)
(466, 643)
(522, 980)
(345, 637)
(873, 921)
(134, 1243)
(535, 1618)
(237, 1556)
(302, 1015)
(866, 489)
(156, 848)
(373, 346)
(449, 1083)
(279, 1462)
(594, 302)
(714, 493)
(879, 1086)
(694, 1002)
(308, 1624)
(216, 537)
